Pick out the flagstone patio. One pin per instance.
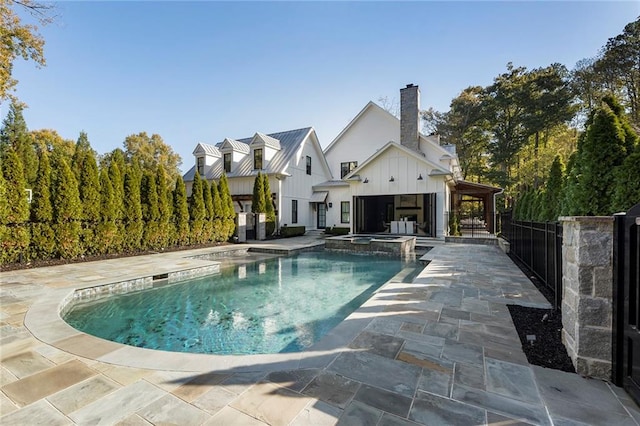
(441, 349)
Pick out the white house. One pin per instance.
(293, 161)
(378, 172)
(391, 172)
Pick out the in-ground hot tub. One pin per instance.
(394, 246)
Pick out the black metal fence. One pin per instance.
(539, 246)
(626, 301)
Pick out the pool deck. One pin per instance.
(439, 350)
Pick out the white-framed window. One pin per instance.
(345, 212)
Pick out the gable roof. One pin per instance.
(289, 141)
(372, 105)
(261, 138)
(234, 145)
(436, 169)
(204, 148)
(367, 107)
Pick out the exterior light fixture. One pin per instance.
(366, 180)
(330, 205)
(420, 176)
(391, 179)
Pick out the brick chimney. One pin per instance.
(410, 117)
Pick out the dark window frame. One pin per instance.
(294, 211)
(227, 162)
(200, 165)
(343, 212)
(257, 159)
(347, 167)
(308, 165)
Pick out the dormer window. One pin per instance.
(227, 162)
(257, 159)
(200, 165)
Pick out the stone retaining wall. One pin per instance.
(587, 300)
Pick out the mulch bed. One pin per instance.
(55, 262)
(547, 350)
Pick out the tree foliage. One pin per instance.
(601, 150)
(152, 151)
(106, 233)
(229, 213)
(67, 210)
(16, 215)
(197, 211)
(42, 236)
(19, 40)
(14, 133)
(258, 197)
(269, 210)
(181, 213)
(132, 217)
(552, 193)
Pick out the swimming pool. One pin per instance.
(277, 305)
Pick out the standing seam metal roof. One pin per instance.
(289, 143)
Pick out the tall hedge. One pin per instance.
(89, 190)
(268, 203)
(117, 167)
(150, 211)
(181, 213)
(132, 220)
(67, 210)
(552, 194)
(166, 228)
(4, 205)
(229, 213)
(197, 211)
(219, 232)
(627, 188)
(15, 243)
(257, 199)
(208, 211)
(42, 236)
(601, 150)
(14, 133)
(107, 239)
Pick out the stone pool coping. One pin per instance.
(43, 319)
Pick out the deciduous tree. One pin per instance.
(152, 151)
(19, 40)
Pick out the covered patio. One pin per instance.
(474, 204)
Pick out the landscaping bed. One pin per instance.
(547, 350)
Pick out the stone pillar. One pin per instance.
(587, 299)
(261, 226)
(241, 227)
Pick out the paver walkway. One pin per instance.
(439, 350)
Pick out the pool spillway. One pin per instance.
(401, 246)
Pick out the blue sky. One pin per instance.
(203, 71)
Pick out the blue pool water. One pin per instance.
(277, 305)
